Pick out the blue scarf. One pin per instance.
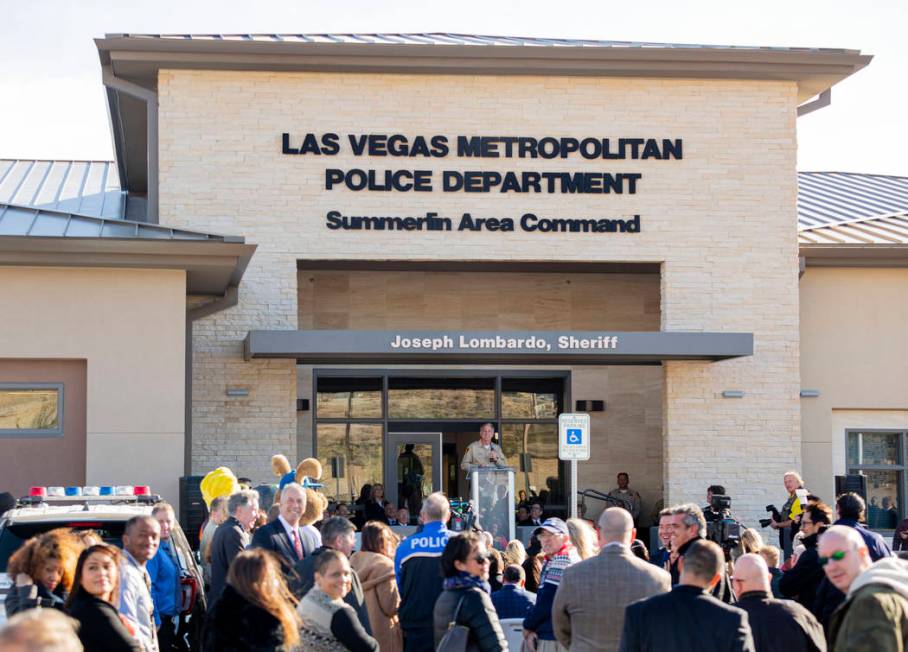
(466, 581)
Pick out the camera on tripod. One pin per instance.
(462, 516)
(776, 516)
(722, 528)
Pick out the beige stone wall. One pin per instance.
(477, 300)
(722, 222)
(129, 327)
(854, 350)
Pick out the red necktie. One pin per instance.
(297, 546)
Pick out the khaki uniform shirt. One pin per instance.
(479, 455)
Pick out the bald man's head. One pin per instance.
(751, 574)
(616, 526)
(844, 555)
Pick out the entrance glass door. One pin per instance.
(412, 468)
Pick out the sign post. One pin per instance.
(573, 445)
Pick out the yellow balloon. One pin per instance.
(220, 482)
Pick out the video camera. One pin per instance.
(723, 529)
(776, 516)
(462, 516)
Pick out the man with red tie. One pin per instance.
(284, 535)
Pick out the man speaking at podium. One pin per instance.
(484, 452)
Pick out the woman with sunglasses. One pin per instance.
(465, 600)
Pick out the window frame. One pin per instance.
(387, 423)
(9, 433)
(901, 468)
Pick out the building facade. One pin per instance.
(456, 230)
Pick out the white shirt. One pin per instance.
(290, 529)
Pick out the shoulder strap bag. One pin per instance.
(457, 636)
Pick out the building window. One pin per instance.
(880, 456)
(31, 410)
(353, 415)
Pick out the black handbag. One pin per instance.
(457, 636)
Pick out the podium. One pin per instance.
(492, 494)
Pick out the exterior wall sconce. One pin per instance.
(589, 406)
(810, 393)
(733, 393)
(237, 391)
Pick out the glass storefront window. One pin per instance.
(883, 499)
(529, 399)
(878, 456)
(349, 398)
(360, 444)
(423, 398)
(29, 409)
(541, 442)
(881, 448)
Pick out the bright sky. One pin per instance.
(53, 104)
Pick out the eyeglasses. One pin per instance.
(483, 559)
(838, 555)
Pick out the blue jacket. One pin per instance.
(417, 566)
(165, 582)
(660, 557)
(877, 547)
(512, 602)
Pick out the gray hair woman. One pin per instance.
(329, 623)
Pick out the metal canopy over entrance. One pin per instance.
(494, 347)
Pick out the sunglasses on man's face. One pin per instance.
(838, 555)
(482, 559)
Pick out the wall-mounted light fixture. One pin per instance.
(302, 405)
(589, 406)
(810, 393)
(733, 393)
(237, 391)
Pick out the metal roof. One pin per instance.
(38, 222)
(828, 198)
(444, 38)
(889, 230)
(84, 187)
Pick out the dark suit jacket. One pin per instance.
(274, 537)
(685, 620)
(100, 627)
(513, 602)
(229, 540)
(355, 598)
(781, 625)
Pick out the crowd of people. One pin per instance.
(577, 586)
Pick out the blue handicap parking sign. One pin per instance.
(575, 436)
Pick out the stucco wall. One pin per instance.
(128, 325)
(854, 350)
(722, 222)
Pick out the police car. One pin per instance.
(106, 511)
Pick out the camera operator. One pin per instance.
(689, 525)
(790, 513)
(709, 513)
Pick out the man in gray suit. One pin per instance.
(588, 613)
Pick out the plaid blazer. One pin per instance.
(588, 613)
